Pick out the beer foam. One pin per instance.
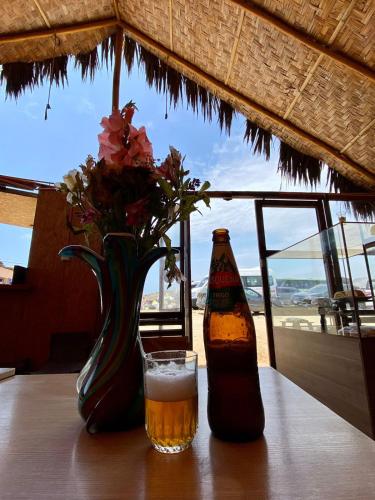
(170, 383)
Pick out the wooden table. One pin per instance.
(307, 451)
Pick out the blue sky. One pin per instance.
(45, 150)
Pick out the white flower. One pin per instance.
(174, 273)
(69, 198)
(70, 179)
(173, 210)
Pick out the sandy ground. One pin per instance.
(261, 333)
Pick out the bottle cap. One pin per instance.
(220, 234)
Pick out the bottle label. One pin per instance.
(224, 279)
(224, 291)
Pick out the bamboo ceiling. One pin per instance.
(302, 71)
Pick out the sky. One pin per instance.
(33, 148)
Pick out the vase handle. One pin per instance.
(94, 260)
(153, 255)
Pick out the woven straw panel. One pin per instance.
(19, 15)
(320, 19)
(269, 67)
(37, 50)
(85, 42)
(358, 176)
(23, 15)
(336, 106)
(357, 37)
(70, 11)
(363, 150)
(17, 210)
(34, 50)
(149, 16)
(204, 34)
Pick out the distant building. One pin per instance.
(6, 274)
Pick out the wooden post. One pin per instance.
(117, 69)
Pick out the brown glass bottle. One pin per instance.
(235, 408)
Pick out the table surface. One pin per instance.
(307, 451)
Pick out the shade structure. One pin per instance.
(303, 71)
(17, 210)
(18, 199)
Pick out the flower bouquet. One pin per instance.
(133, 202)
(126, 191)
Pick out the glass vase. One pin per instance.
(110, 385)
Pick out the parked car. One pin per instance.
(367, 291)
(195, 291)
(254, 299)
(309, 297)
(283, 295)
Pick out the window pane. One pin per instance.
(156, 294)
(284, 226)
(14, 250)
(238, 217)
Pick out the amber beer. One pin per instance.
(171, 401)
(235, 408)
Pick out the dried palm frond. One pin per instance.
(259, 138)
(108, 49)
(225, 116)
(364, 210)
(88, 62)
(298, 167)
(130, 52)
(18, 76)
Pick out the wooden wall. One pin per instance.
(368, 353)
(330, 368)
(59, 296)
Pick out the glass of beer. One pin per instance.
(171, 398)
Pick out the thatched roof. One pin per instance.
(301, 71)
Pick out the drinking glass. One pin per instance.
(171, 398)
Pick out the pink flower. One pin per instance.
(114, 123)
(121, 144)
(89, 216)
(140, 147)
(171, 166)
(109, 146)
(128, 114)
(136, 213)
(111, 140)
(137, 152)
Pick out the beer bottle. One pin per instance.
(235, 408)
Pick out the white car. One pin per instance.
(254, 299)
(196, 290)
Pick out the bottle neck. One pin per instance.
(220, 236)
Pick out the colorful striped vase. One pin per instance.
(110, 385)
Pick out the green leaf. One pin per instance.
(206, 201)
(204, 187)
(166, 187)
(167, 241)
